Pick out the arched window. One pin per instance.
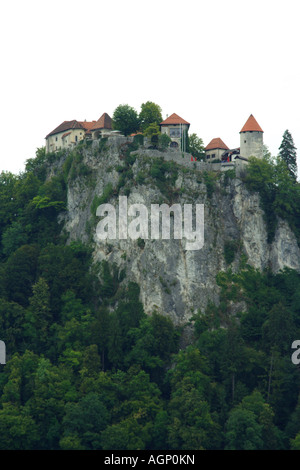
(174, 144)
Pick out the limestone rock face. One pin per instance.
(284, 250)
(173, 280)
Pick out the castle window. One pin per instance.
(245, 141)
(175, 132)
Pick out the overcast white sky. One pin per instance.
(213, 62)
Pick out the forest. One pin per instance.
(87, 369)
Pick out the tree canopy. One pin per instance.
(150, 113)
(88, 369)
(125, 119)
(196, 147)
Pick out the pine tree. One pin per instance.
(287, 151)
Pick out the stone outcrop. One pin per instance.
(174, 281)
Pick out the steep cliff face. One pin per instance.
(173, 280)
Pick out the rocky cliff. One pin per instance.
(173, 280)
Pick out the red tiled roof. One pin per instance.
(104, 122)
(216, 143)
(66, 126)
(87, 125)
(174, 119)
(251, 125)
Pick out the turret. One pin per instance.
(251, 139)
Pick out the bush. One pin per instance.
(209, 179)
(164, 141)
(98, 200)
(230, 248)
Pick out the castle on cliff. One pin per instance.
(70, 133)
(251, 144)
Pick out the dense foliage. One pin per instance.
(125, 119)
(279, 192)
(150, 114)
(87, 369)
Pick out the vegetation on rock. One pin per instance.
(88, 369)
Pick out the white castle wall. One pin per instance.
(251, 144)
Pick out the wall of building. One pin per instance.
(167, 129)
(251, 144)
(56, 142)
(214, 154)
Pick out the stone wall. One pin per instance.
(175, 155)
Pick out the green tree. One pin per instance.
(136, 412)
(52, 389)
(65, 268)
(20, 274)
(26, 188)
(266, 152)
(250, 426)
(84, 421)
(8, 204)
(233, 353)
(150, 113)
(191, 424)
(37, 165)
(243, 432)
(164, 141)
(154, 342)
(100, 333)
(287, 151)
(125, 119)
(17, 429)
(75, 330)
(196, 147)
(91, 361)
(13, 237)
(279, 329)
(124, 435)
(19, 371)
(153, 133)
(293, 426)
(38, 316)
(295, 443)
(12, 325)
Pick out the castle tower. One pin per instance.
(251, 139)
